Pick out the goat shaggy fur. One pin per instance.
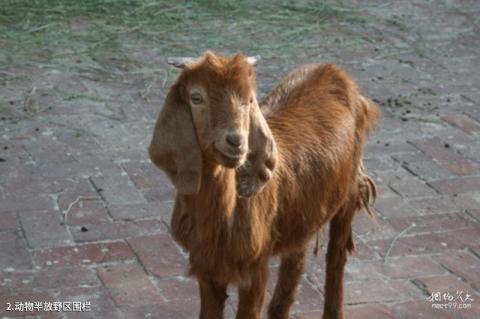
(296, 166)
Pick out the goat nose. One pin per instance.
(234, 140)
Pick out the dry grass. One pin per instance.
(126, 40)
(47, 29)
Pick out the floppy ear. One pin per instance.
(258, 169)
(174, 147)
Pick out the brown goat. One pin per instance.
(247, 191)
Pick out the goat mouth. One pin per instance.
(230, 160)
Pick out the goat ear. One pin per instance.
(261, 161)
(174, 147)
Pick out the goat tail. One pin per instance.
(367, 191)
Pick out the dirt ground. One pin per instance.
(84, 215)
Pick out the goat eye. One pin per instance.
(251, 100)
(196, 98)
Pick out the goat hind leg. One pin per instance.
(339, 244)
(289, 274)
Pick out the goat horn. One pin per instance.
(252, 60)
(181, 62)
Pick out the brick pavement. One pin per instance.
(84, 215)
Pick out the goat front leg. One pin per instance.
(212, 299)
(252, 294)
(291, 269)
(340, 242)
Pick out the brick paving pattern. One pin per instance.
(84, 215)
